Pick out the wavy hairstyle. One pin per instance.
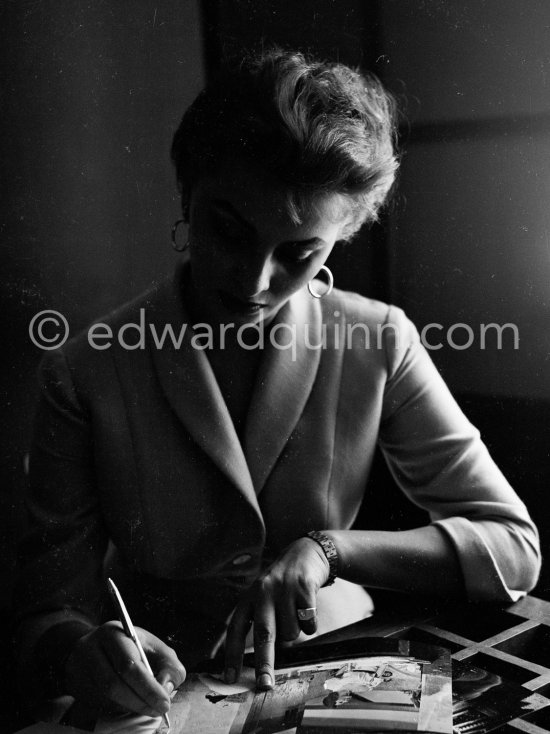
(320, 128)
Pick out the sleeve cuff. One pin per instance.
(482, 576)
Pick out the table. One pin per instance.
(511, 640)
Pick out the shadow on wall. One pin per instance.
(92, 97)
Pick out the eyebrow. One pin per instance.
(228, 208)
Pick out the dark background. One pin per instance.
(92, 92)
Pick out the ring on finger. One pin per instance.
(306, 614)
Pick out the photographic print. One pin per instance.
(373, 693)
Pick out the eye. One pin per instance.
(297, 256)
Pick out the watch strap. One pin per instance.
(331, 554)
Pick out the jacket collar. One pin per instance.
(283, 384)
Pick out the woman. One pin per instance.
(204, 456)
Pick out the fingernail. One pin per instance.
(230, 675)
(169, 687)
(264, 682)
(153, 712)
(163, 707)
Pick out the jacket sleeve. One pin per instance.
(59, 587)
(440, 462)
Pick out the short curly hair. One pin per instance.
(320, 128)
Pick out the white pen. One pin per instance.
(129, 630)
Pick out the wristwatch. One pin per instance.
(331, 554)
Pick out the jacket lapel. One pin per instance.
(283, 385)
(190, 386)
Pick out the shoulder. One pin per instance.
(88, 358)
(354, 309)
(106, 327)
(354, 306)
(372, 331)
(143, 306)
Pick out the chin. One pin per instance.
(254, 319)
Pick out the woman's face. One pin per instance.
(247, 254)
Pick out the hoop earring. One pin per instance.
(178, 246)
(330, 284)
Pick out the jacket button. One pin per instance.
(239, 560)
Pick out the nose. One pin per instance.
(256, 276)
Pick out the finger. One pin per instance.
(89, 676)
(264, 643)
(102, 688)
(126, 698)
(288, 628)
(135, 688)
(166, 680)
(306, 611)
(236, 641)
(168, 670)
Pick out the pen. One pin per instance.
(129, 630)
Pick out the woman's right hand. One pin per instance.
(104, 669)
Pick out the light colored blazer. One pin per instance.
(137, 447)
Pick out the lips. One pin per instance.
(240, 305)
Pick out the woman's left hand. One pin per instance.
(272, 603)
